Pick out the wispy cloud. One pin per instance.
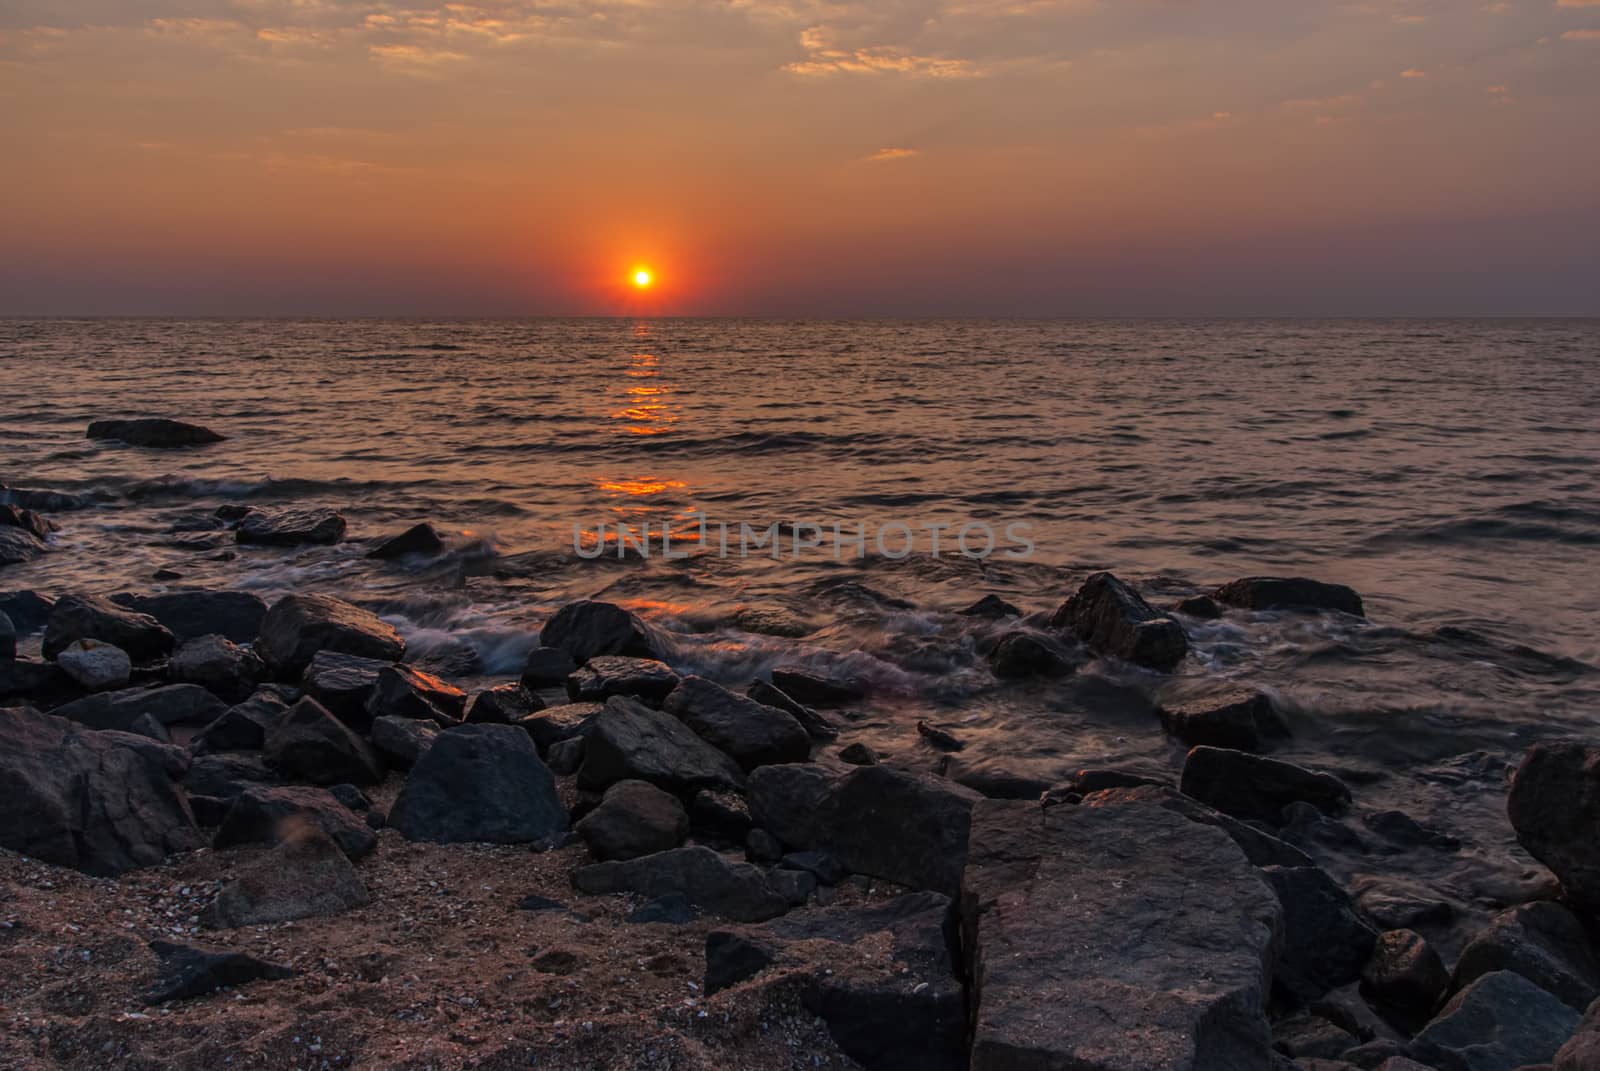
(883, 155)
(1581, 35)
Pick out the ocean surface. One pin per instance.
(1449, 471)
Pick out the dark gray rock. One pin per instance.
(146, 725)
(1543, 942)
(1554, 805)
(809, 688)
(42, 684)
(90, 617)
(173, 704)
(28, 610)
(189, 971)
(991, 606)
(273, 815)
(404, 691)
(224, 776)
(1236, 719)
(1499, 1023)
(208, 810)
(18, 546)
(305, 876)
(1200, 607)
(588, 629)
(25, 520)
(770, 695)
(1112, 618)
(422, 540)
(565, 756)
(291, 527)
(795, 886)
(1326, 942)
(1249, 786)
(1309, 1037)
(8, 639)
(310, 745)
(1262, 849)
(479, 783)
(1289, 593)
(344, 683)
(753, 734)
(243, 726)
(96, 666)
(720, 815)
(858, 754)
(629, 741)
(551, 725)
(635, 818)
(233, 615)
(1401, 829)
(1024, 654)
(820, 865)
(1582, 1053)
(737, 891)
(219, 665)
(546, 667)
(157, 432)
(402, 741)
(1395, 904)
(1160, 959)
(604, 676)
(298, 626)
(1405, 978)
(502, 705)
(673, 909)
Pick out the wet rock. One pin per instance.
(344, 683)
(224, 776)
(25, 520)
(312, 746)
(155, 432)
(1023, 654)
(172, 704)
(406, 692)
(233, 615)
(858, 754)
(991, 606)
(219, 665)
(1399, 905)
(1236, 719)
(272, 815)
(720, 814)
(551, 725)
(772, 621)
(1248, 786)
(1554, 805)
(243, 726)
(502, 705)
(89, 617)
(588, 629)
(1499, 1023)
(419, 539)
(1405, 977)
(706, 880)
(943, 740)
(1099, 779)
(18, 546)
(189, 971)
(28, 610)
(1289, 593)
(753, 734)
(1401, 829)
(1111, 617)
(8, 639)
(305, 876)
(291, 527)
(546, 667)
(1262, 849)
(1326, 942)
(1543, 942)
(629, 741)
(1200, 607)
(479, 783)
(402, 741)
(769, 695)
(604, 676)
(1104, 974)
(96, 666)
(634, 819)
(809, 688)
(1582, 1053)
(298, 626)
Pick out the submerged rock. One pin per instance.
(770, 695)
(1249, 786)
(1111, 617)
(96, 666)
(479, 783)
(752, 733)
(809, 688)
(1499, 1023)
(291, 527)
(629, 741)
(706, 880)
(991, 606)
(158, 432)
(310, 745)
(1554, 805)
(604, 676)
(635, 818)
(304, 877)
(298, 626)
(189, 971)
(587, 629)
(1236, 719)
(18, 546)
(89, 617)
(419, 539)
(1289, 593)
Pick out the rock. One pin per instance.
(753, 734)
(903, 1014)
(18, 546)
(298, 626)
(1235, 719)
(795, 886)
(219, 665)
(1248, 786)
(535, 902)
(8, 639)
(588, 629)
(189, 971)
(479, 783)
(271, 815)
(1289, 593)
(604, 676)
(305, 876)
(28, 610)
(1405, 977)
(310, 745)
(822, 866)
(402, 741)
(405, 692)
(1399, 905)
(25, 520)
(629, 741)
(146, 725)
(1543, 942)
(156, 432)
(1200, 607)
(737, 891)
(1401, 829)
(40, 683)
(502, 704)
(1582, 1053)
(96, 666)
(89, 617)
(1262, 849)
(1128, 970)
(171, 705)
(858, 754)
(291, 527)
(1023, 654)
(1311, 1037)
(991, 606)
(225, 776)
(419, 539)
(720, 814)
(673, 909)
(762, 847)
(808, 688)
(1554, 805)
(819, 727)
(1326, 942)
(209, 811)
(345, 684)
(234, 615)
(547, 666)
(565, 756)
(551, 725)
(1500, 1022)
(1111, 617)
(943, 740)
(635, 818)
(99, 802)
(243, 726)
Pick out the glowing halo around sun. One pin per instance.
(642, 278)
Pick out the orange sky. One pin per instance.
(815, 157)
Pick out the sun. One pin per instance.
(642, 278)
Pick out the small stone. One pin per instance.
(1405, 976)
(858, 754)
(188, 971)
(421, 540)
(635, 818)
(95, 665)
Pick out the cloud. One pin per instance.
(883, 59)
(1413, 72)
(1577, 3)
(1581, 35)
(892, 154)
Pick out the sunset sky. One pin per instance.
(811, 157)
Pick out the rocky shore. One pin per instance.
(257, 835)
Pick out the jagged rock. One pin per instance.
(991, 606)
(26, 520)
(858, 754)
(243, 726)
(291, 527)
(737, 891)
(233, 615)
(298, 626)
(1111, 617)
(28, 610)
(1023, 654)
(1160, 960)
(1308, 1037)
(172, 704)
(305, 876)
(551, 725)
(1500, 1022)
(224, 776)
(547, 666)
(271, 815)
(406, 692)
(1399, 905)
(146, 725)
(602, 677)
(1235, 719)
(219, 665)
(99, 802)
(1554, 805)
(720, 814)
(156, 432)
(502, 705)
(770, 695)
(419, 539)
(588, 629)
(1289, 593)
(479, 783)
(1543, 942)
(813, 690)
(1405, 976)
(753, 734)
(402, 741)
(309, 744)
(189, 971)
(343, 683)
(96, 666)
(1262, 849)
(18, 546)
(1582, 1053)
(89, 617)
(1326, 942)
(629, 741)
(1249, 786)
(565, 756)
(1200, 607)
(635, 818)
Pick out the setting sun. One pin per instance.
(642, 278)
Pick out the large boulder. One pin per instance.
(234, 615)
(1326, 942)
(344, 683)
(305, 876)
(629, 741)
(1121, 938)
(272, 815)
(171, 704)
(1236, 718)
(604, 676)
(310, 745)
(100, 802)
(1251, 787)
(404, 691)
(752, 733)
(157, 432)
(243, 726)
(503, 704)
(1262, 849)
(1543, 942)
(588, 628)
(90, 617)
(291, 527)
(217, 664)
(708, 881)
(634, 818)
(1500, 1022)
(1289, 593)
(1554, 805)
(1111, 617)
(298, 626)
(479, 783)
